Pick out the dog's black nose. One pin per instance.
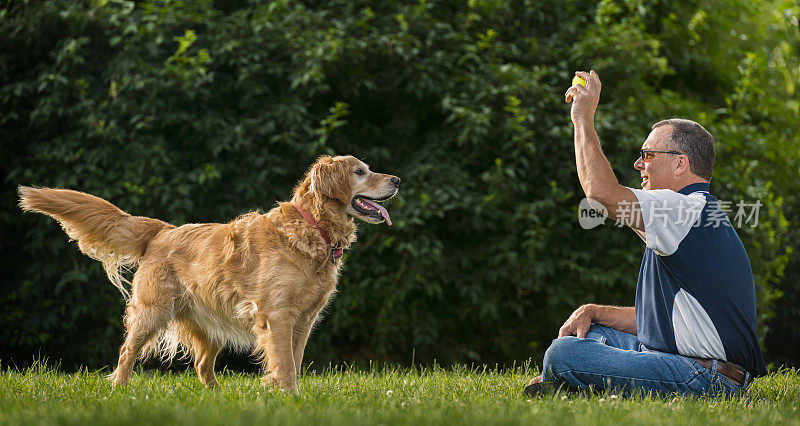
(395, 181)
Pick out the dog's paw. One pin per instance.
(116, 379)
(274, 384)
(270, 380)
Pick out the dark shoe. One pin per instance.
(537, 390)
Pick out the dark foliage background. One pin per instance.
(199, 111)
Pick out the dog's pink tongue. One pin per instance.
(380, 209)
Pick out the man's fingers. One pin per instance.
(570, 94)
(591, 78)
(595, 77)
(574, 91)
(582, 330)
(566, 330)
(585, 76)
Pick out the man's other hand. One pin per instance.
(584, 99)
(578, 323)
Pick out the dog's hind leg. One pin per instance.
(204, 352)
(205, 356)
(148, 311)
(142, 323)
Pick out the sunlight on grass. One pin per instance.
(389, 395)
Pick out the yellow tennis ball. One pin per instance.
(578, 80)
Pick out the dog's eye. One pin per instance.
(359, 171)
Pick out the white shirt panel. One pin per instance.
(668, 217)
(695, 334)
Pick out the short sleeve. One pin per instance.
(668, 217)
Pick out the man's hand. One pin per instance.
(578, 323)
(584, 99)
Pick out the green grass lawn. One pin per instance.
(43, 395)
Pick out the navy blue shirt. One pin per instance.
(695, 295)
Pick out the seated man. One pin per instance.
(693, 328)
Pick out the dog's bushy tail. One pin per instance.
(103, 231)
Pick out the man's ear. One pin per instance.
(682, 166)
(330, 178)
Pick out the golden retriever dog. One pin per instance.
(259, 281)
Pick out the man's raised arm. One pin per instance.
(594, 171)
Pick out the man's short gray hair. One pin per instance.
(692, 139)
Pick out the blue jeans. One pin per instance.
(609, 359)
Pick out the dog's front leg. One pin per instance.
(302, 329)
(275, 339)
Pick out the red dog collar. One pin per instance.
(336, 251)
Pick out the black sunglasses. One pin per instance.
(647, 155)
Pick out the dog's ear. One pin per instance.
(331, 178)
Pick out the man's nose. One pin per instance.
(638, 164)
(395, 181)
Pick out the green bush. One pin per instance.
(200, 111)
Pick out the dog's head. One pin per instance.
(350, 181)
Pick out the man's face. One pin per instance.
(658, 172)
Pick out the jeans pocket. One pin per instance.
(694, 364)
(727, 382)
(725, 387)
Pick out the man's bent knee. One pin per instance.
(559, 356)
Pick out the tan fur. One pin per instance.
(258, 281)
